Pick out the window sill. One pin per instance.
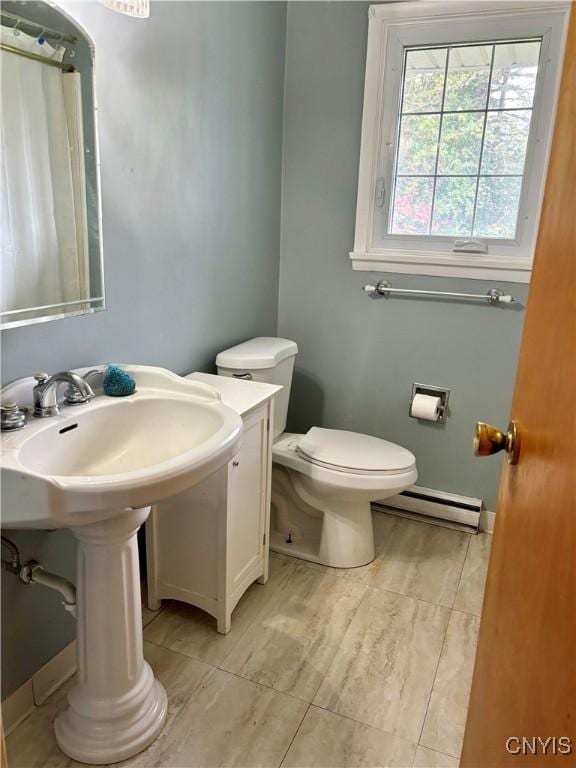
(472, 266)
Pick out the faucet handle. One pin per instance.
(12, 416)
(93, 372)
(41, 377)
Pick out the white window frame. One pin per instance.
(394, 26)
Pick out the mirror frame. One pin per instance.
(97, 303)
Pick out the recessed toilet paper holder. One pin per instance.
(427, 389)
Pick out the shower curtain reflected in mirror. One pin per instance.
(43, 231)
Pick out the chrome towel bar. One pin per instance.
(493, 296)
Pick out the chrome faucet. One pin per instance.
(46, 391)
(73, 395)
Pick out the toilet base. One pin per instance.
(340, 535)
(303, 549)
(347, 539)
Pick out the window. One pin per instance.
(464, 126)
(458, 115)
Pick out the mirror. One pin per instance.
(50, 217)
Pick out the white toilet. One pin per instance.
(323, 481)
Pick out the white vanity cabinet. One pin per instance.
(208, 545)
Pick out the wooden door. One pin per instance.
(525, 678)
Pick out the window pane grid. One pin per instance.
(465, 111)
(459, 176)
(459, 147)
(439, 140)
(483, 138)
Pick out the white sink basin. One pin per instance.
(96, 468)
(92, 459)
(128, 436)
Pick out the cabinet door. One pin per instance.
(247, 500)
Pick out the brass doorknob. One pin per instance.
(489, 440)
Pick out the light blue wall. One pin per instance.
(358, 356)
(190, 118)
(190, 132)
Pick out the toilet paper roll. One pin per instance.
(426, 407)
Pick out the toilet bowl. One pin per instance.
(324, 481)
(322, 486)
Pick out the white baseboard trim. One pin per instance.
(17, 706)
(54, 673)
(487, 520)
(36, 690)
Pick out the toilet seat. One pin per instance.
(343, 480)
(354, 453)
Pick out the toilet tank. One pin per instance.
(265, 359)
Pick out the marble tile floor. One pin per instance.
(365, 668)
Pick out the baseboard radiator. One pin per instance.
(437, 507)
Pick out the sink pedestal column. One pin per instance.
(117, 708)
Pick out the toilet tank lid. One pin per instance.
(262, 352)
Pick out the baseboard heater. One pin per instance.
(436, 507)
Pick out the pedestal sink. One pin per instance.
(95, 469)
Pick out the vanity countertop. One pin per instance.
(240, 395)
